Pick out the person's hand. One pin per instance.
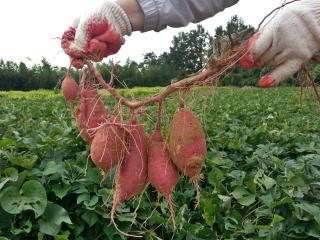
(287, 42)
(97, 34)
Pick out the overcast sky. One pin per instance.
(30, 28)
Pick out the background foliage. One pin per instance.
(261, 175)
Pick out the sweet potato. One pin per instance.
(187, 145)
(90, 112)
(162, 173)
(132, 174)
(108, 146)
(69, 88)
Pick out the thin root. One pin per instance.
(171, 210)
(195, 183)
(116, 226)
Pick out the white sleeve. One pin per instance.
(159, 14)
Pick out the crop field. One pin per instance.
(261, 178)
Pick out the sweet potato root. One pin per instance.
(187, 145)
(162, 173)
(132, 175)
(108, 146)
(69, 89)
(90, 112)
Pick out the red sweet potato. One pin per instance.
(69, 88)
(90, 112)
(162, 173)
(132, 174)
(108, 146)
(187, 145)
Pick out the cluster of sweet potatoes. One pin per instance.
(140, 158)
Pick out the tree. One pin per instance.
(189, 49)
(235, 24)
(149, 59)
(157, 71)
(224, 36)
(129, 75)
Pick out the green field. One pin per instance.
(261, 176)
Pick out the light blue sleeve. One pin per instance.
(159, 14)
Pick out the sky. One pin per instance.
(30, 29)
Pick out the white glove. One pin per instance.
(97, 34)
(285, 43)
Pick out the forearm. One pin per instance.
(134, 12)
(158, 14)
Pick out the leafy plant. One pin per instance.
(261, 177)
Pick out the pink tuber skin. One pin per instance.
(187, 146)
(108, 146)
(70, 89)
(132, 175)
(163, 174)
(90, 112)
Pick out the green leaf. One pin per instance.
(4, 182)
(53, 168)
(64, 236)
(52, 218)
(127, 217)
(81, 189)
(48, 228)
(23, 161)
(10, 175)
(264, 233)
(238, 175)
(210, 211)
(215, 177)
(83, 197)
(264, 182)
(276, 219)
(196, 228)
(24, 228)
(311, 209)
(249, 228)
(78, 230)
(283, 201)
(267, 199)
(156, 218)
(92, 202)
(56, 214)
(61, 190)
(40, 236)
(297, 181)
(313, 230)
(94, 175)
(7, 143)
(90, 217)
(110, 231)
(226, 200)
(243, 196)
(31, 196)
(250, 184)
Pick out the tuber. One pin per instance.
(132, 174)
(162, 173)
(108, 145)
(187, 145)
(70, 89)
(90, 112)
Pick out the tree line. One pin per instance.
(187, 54)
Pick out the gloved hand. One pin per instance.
(97, 34)
(285, 43)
